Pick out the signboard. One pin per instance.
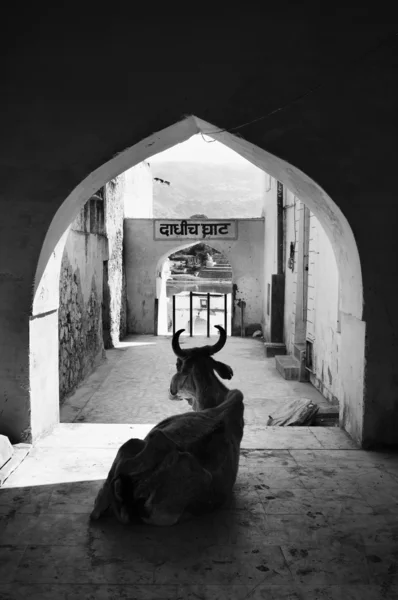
(195, 229)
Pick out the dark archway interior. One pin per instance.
(311, 98)
(324, 101)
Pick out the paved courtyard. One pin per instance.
(132, 385)
(312, 516)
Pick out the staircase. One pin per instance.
(292, 366)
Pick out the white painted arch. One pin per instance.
(333, 221)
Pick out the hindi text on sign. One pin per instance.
(203, 230)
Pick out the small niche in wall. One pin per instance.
(309, 355)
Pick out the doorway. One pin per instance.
(195, 292)
(204, 312)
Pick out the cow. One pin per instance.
(188, 463)
(195, 380)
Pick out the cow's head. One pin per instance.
(195, 380)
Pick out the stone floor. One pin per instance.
(312, 517)
(130, 386)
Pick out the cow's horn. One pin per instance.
(175, 344)
(220, 342)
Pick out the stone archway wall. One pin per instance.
(144, 258)
(333, 221)
(317, 94)
(331, 217)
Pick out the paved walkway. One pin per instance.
(132, 385)
(311, 518)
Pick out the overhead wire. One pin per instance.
(362, 58)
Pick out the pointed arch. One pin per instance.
(333, 221)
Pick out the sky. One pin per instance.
(196, 149)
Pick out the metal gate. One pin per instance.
(204, 305)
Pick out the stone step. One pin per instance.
(327, 417)
(274, 349)
(288, 367)
(215, 274)
(219, 266)
(299, 351)
(6, 450)
(19, 453)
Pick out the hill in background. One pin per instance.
(216, 190)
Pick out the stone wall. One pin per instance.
(81, 346)
(323, 326)
(145, 256)
(312, 295)
(92, 304)
(115, 191)
(80, 329)
(128, 195)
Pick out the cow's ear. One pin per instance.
(223, 370)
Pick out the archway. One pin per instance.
(321, 205)
(191, 283)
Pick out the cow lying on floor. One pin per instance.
(186, 465)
